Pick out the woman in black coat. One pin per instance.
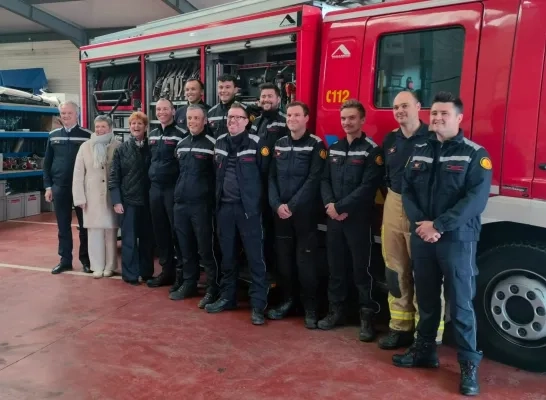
(129, 185)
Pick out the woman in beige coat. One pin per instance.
(90, 192)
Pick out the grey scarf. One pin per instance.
(99, 145)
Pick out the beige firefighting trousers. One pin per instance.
(395, 243)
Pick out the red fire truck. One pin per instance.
(490, 52)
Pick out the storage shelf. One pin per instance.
(20, 134)
(27, 108)
(20, 154)
(20, 173)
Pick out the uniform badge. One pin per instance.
(277, 153)
(323, 154)
(392, 150)
(416, 165)
(252, 118)
(485, 162)
(379, 160)
(264, 151)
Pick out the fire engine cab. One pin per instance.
(490, 52)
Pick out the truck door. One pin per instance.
(425, 50)
(340, 74)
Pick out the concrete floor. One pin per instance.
(74, 337)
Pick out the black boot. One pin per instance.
(257, 317)
(209, 298)
(310, 321)
(178, 280)
(165, 278)
(335, 317)
(281, 310)
(469, 378)
(420, 354)
(367, 332)
(395, 339)
(188, 289)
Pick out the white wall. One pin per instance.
(59, 59)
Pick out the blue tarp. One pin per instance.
(29, 79)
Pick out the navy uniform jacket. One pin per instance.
(398, 150)
(352, 175)
(448, 183)
(60, 155)
(249, 167)
(195, 156)
(164, 165)
(295, 173)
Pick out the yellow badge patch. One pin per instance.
(485, 162)
(323, 154)
(264, 151)
(251, 118)
(379, 160)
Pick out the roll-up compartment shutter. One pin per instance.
(252, 44)
(173, 55)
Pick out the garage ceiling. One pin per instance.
(79, 20)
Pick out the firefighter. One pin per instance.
(270, 126)
(445, 190)
(398, 146)
(294, 194)
(352, 175)
(239, 174)
(193, 91)
(194, 201)
(163, 174)
(60, 156)
(217, 115)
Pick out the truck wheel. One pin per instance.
(510, 305)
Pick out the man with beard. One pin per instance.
(352, 175)
(270, 127)
(445, 189)
(398, 146)
(193, 91)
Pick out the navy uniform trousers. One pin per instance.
(231, 218)
(455, 262)
(63, 202)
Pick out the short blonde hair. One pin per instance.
(139, 115)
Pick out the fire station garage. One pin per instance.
(129, 129)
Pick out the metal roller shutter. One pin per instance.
(59, 59)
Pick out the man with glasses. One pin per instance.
(239, 175)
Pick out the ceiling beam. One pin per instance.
(39, 2)
(70, 31)
(53, 36)
(182, 6)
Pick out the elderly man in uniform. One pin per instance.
(445, 190)
(60, 156)
(194, 204)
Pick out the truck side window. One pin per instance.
(425, 62)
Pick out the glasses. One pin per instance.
(238, 118)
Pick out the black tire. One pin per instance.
(511, 261)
